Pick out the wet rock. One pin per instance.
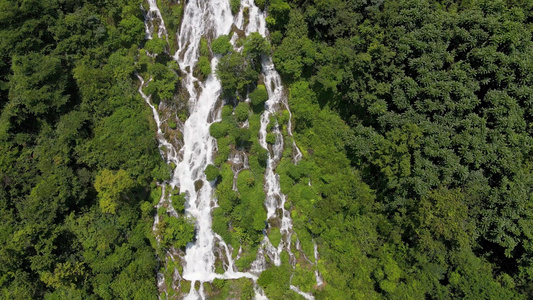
(198, 184)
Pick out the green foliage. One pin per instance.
(258, 98)
(221, 45)
(426, 130)
(78, 153)
(413, 119)
(278, 14)
(246, 259)
(235, 74)
(175, 231)
(132, 29)
(275, 281)
(242, 110)
(178, 201)
(163, 85)
(271, 138)
(211, 172)
(275, 236)
(235, 5)
(227, 112)
(172, 125)
(155, 45)
(111, 186)
(204, 48)
(218, 130)
(38, 84)
(124, 141)
(260, 4)
(255, 45)
(204, 65)
(296, 54)
(239, 219)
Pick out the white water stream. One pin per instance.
(153, 15)
(211, 19)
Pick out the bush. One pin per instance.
(242, 137)
(258, 98)
(204, 66)
(255, 45)
(271, 138)
(204, 49)
(246, 259)
(275, 236)
(178, 201)
(260, 4)
(235, 74)
(218, 130)
(223, 150)
(245, 180)
(211, 172)
(235, 5)
(242, 111)
(155, 45)
(176, 231)
(147, 209)
(221, 45)
(227, 112)
(262, 157)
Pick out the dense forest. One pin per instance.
(414, 119)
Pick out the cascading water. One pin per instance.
(212, 19)
(200, 18)
(153, 16)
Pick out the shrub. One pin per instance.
(227, 112)
(260, 4)
(262, 157)
(147, 209)
(275, 236)
(258, 98)
(245, 180)
(204, 66)
(178, 201)
(176, 231)
(246, 259)
(223, 150)
(204, 49)
(155, 45)
(242, 111)
(218, 130)
(211, 172)
(221, 45)
(235, 74)
(255, 45)
(235, 5)
(242, 137)
(271, 138)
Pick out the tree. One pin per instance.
(112, 187)
(221, 45)
(258, 98)
(235, 74)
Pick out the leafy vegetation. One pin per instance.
(78, 152)
(239, 219)
(258, 98)
(221, 45)
(414, 119)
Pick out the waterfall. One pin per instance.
(152, 18)
(211, 19)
